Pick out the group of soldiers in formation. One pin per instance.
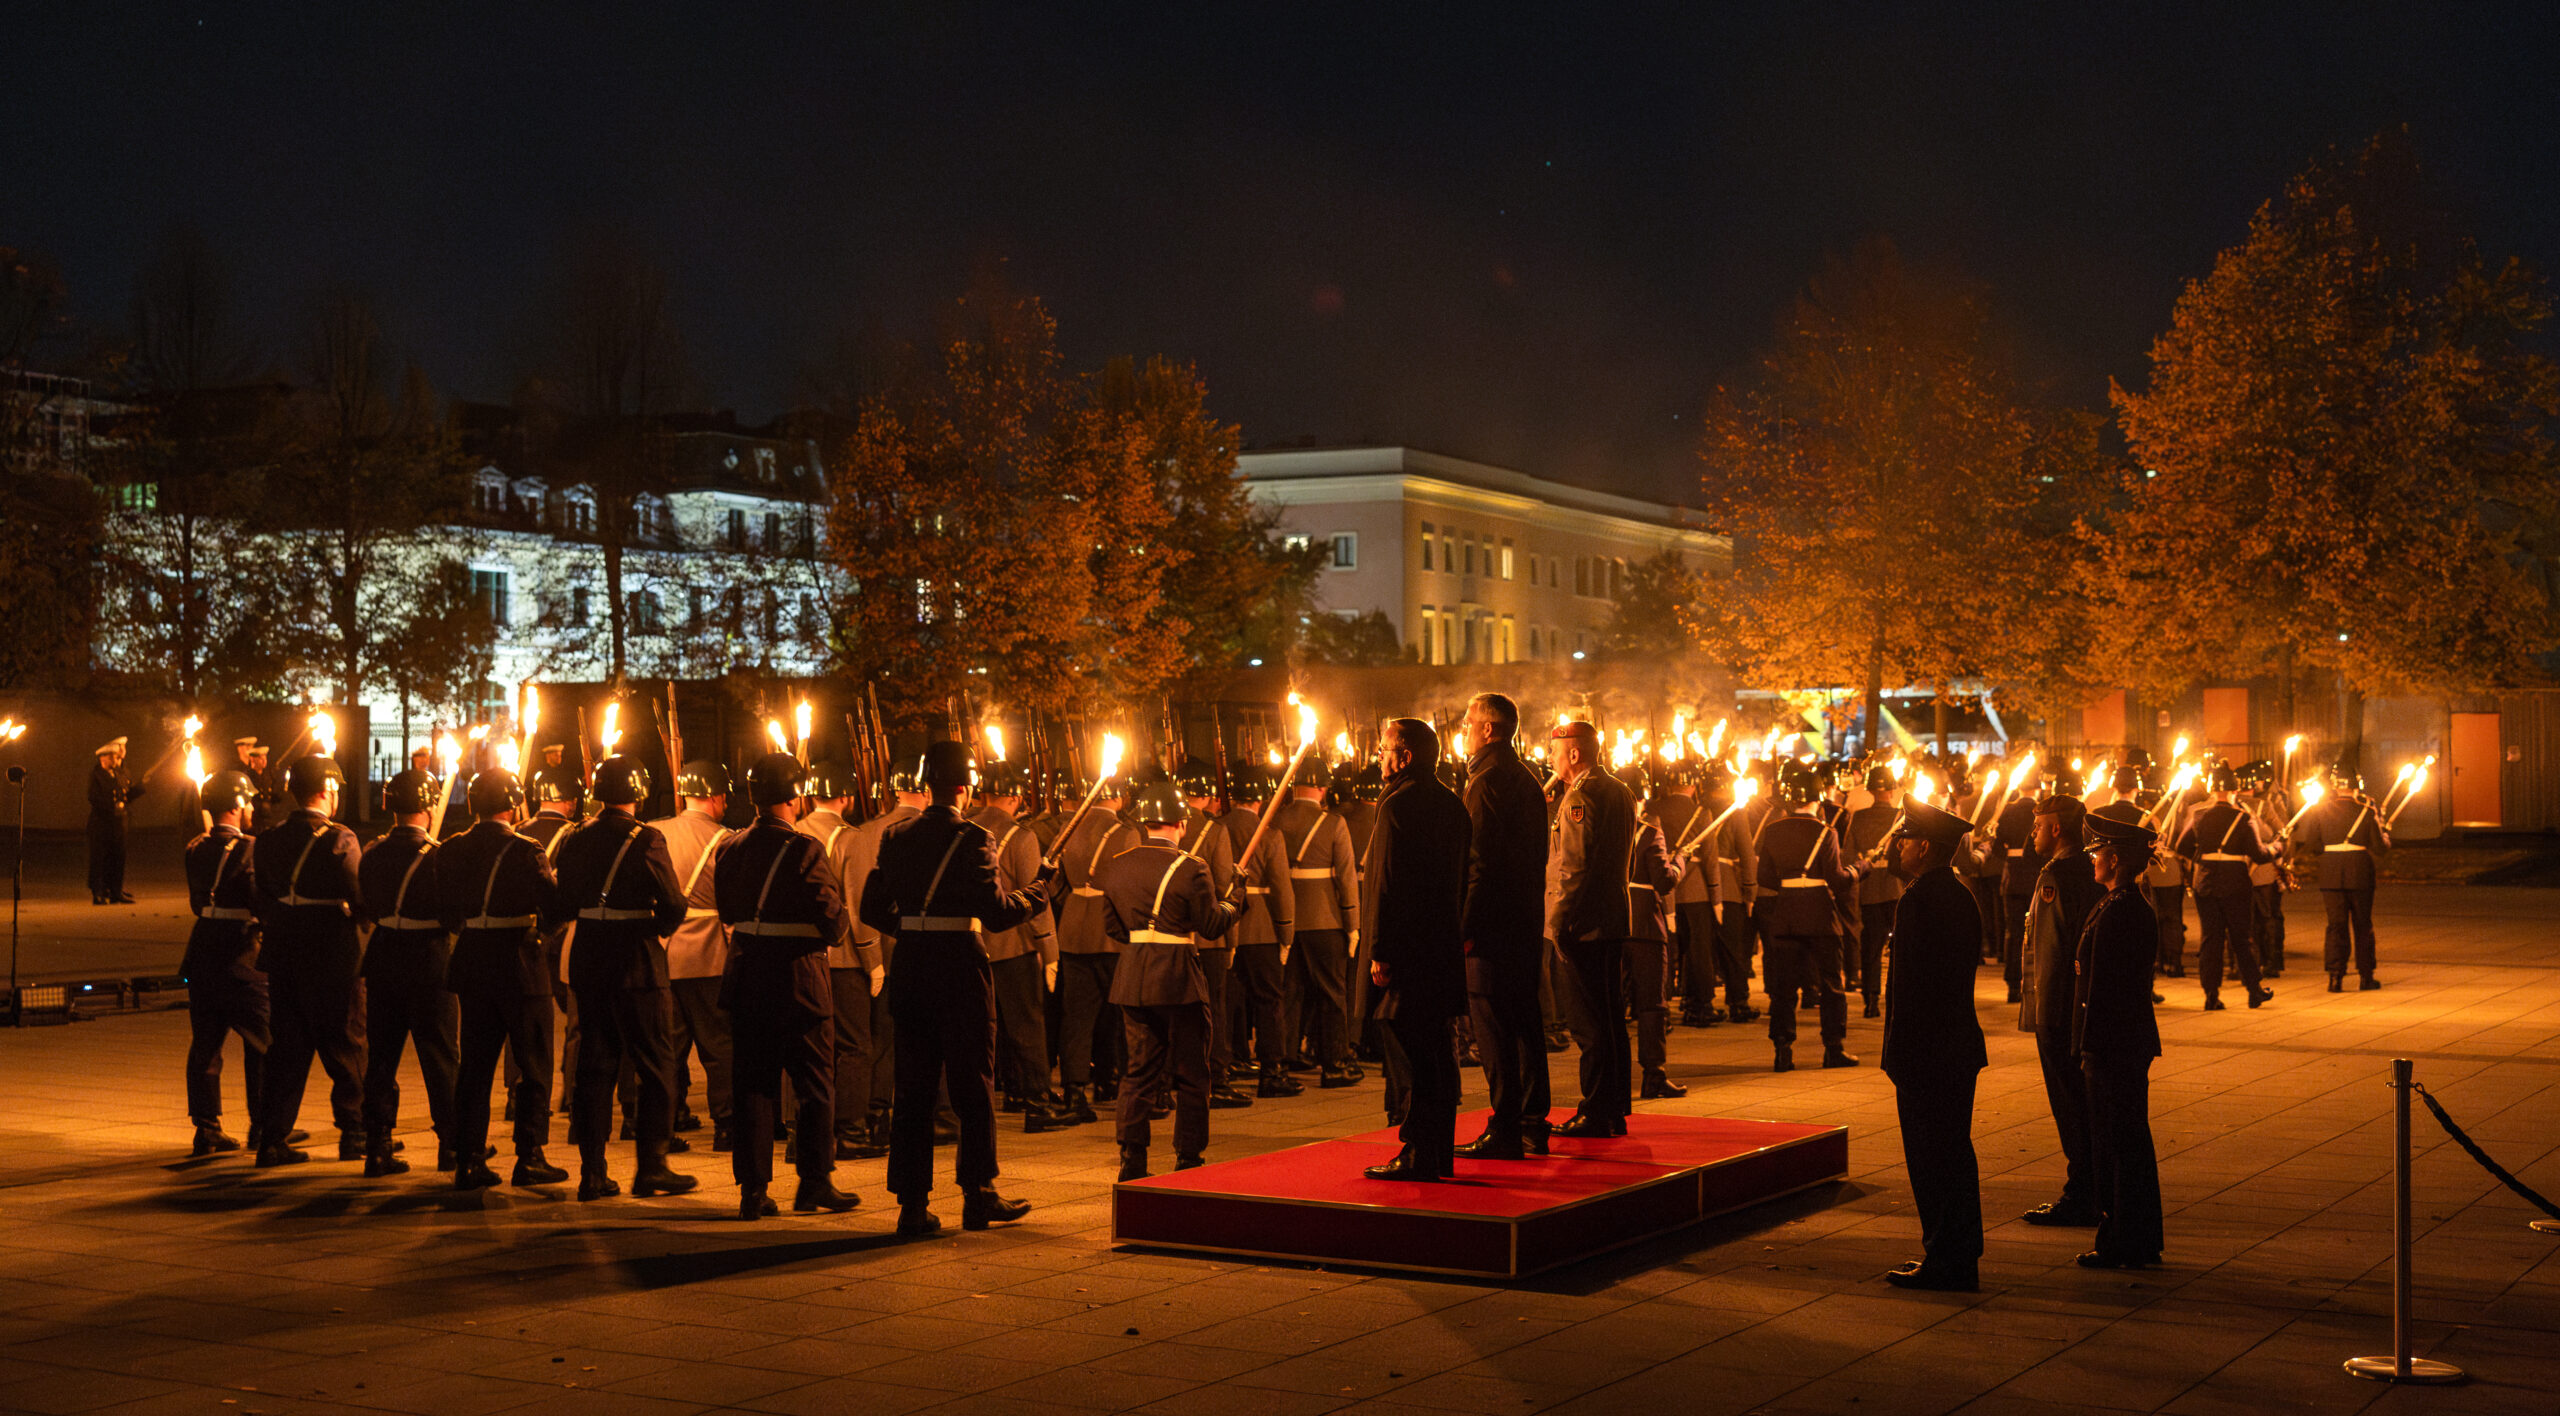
(894, 973)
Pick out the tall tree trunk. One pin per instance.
(2350, 725)
(2284, 661)
(613, 607)
(1938, 715)
(1875, 681)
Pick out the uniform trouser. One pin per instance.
(852, 990)
(1502, 1001)
(701, 1026)
(1318, 969)
(1806, 966)
(884, 1057)
(633, 1026)
(2350, 921)
(2124, 1169)
(1946, 1181)
(1084, 1017)
(106, 856)
(2228, 923)
(1875, 927)
(2013, 935)
(2169, 903)
(1734, 944)
(772, 1044)
(1022, 1026)
(1253, 995)
(2066, 1093)
(951, 1048)
(1168, 1045)
(521, 1026)
(1431, 1100)
(405, 1004)
(2270, 924)
(1216, 966)
(1648, 965)
(1592, 986)
(322, 1018)
(1700, 944)
(221, 1003)
(1986, 897)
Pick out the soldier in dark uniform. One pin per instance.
(1416, 894)
(1654, 876)
(1204, 840)
(934, 888)
(1022, 960)
(1675, 808)
(778, 896)
(1156, 899)
(556, 796)
(1262, 939)
(405, 997)
(1593, 838)
(616, 875)
(1503, 924)
(855, 971)
(2221, 844)
(2066, 892)
(225, 992)
(2013, 847)
(309, 907)
(498, 897)
(2116, 1036)
(1731, 852)
(110, 790)
(1807, 898)
(2346, 840)
(1933, 1046)
(1879, 885)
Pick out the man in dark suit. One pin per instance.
(1416, 895)
(1593, 832)
(1933, 1046)
(2117, 1036)
(1503, 925)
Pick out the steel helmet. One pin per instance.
(556, 782)
(1194, 779)
(494, 791)
(829, 780)
(230, 791)
(2257, 775)
(1368, 784)
(1880, 778)
(622, 781)
(1799, 785)
(1003, 779)
(2067, 782)
(1250, 782)
(2221, 778)
(312, 775)
(944, 765)
(2344, 778)
(407, 793)
(1158, 803)
(702, 778)
(774, 779)
(904, 779)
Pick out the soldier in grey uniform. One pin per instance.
(1324, 870)
(1204, 840)
(309, 910)
(1088, 1036)
(1022, 961)
(225, 992)
(1591, 846)
(855, 971)
(1732, 850)
(2345, 840)
(1869, 833)
(1654, 874)
(1674, 808)
(2013, 850)
(698, 949)
(1263, 938)
(2221, 845)
(1158, 902)
(1807, 901)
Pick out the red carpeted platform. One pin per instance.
(1497, 1219)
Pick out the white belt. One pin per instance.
(311, 902)
(501, 922)
(774, 929)
(1088, 892)
(1257, 889)
(1157, 936)
(2223, 855)
(1308, 872)
(942, 924)
(703, 912)
(1640, 885)
(224, 912)
(1803, 884)
(404, 922)
(609, 912)
(2342, 848)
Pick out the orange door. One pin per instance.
(2477, 756)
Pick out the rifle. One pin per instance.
(1177, 751)
(586, 759)
(854, 747)
(1218, 726)
(879, 728)
(675, 731)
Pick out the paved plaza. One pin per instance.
(135, 1280)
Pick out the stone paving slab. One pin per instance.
(133, 1279)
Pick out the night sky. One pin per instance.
(1535, 236)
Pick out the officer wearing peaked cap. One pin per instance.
(498, 897)
(309, 908)
(2116, 1036)
(935, 888)
(1933, 1044)
(405, 998)
(226, 993)
(616, 875)
(1158, 903)
(110, 790)
(779, 897)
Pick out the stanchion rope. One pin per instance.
(2468, 1144)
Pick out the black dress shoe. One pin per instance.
(1741, 1015)
(1224, 1097)
(687, 1121)
(1534, 1132)
(2368, 984)
(721, 1141)
(821, 1194)
(210, 1140)
(1406, 1166)
(1041, 1118)
(2096, 1260)
(1188, 1162)
(2057, 1215)
(659, 1180)
(756, 1204)
(1872, 1010)
(2337, 983)
(1011, 1105)
(1133, 1164)
(1785, 1059)
(382, 1163)
(596, 1185)
(2013, 993)
(1590, 1126)
(1107, 1093)
(121, 899)
(1278, 1084)
(678, 1145)
(532, 1169)
(1836, 1057)
(1943, 1280)
(980, 1208)
(1493, 1145)
(447, 1158)
(858, 1146)
(1658, 1087)
(2258, 996)
(917, 1222)
(474, 1175)
(1079, 1107)
(2214, 1004)
(281, 1155)
(1341, 1077)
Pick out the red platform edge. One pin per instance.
(1497, 1219)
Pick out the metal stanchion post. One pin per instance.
(17, 891)
(2400, 1366)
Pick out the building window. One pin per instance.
(1506, 558)
(1426, 620)
(1346, 550)
(489, 587)
(1533, 641)
(578, 607)
(773, 531)
(1470, 554)
(737, 529)
(1581, 575)
(1509, 651)
(1426, 545)
(697, 607)
(646, 612)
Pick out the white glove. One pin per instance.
(1284, 955)
(1355, 945)
(879, 979)
(1049, 971)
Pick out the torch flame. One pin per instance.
(509, 758)
(1922, 788)
(194, 725)
(1274, 754)
(1896, 768)
(2291, 743)
(1715, 740)
(479, 731)
(610, 736)
(1111, 750)
(2178, 748)
(2312, 791)
(995, 740)
(1745, 788)
(2406, 768)
(1306, 720)
(324, 731)
(449, 753)
(800, 721)
(773, 730)
(195, 765)
(531, 716)
(1342, 746)
(11, 729)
